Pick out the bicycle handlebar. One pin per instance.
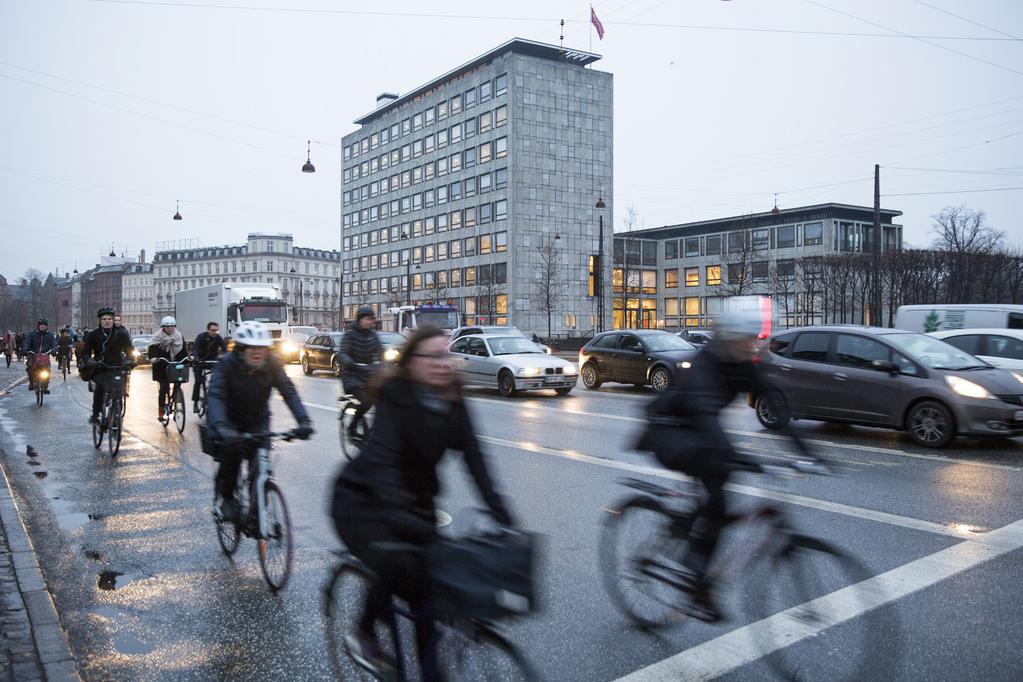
(287, 436)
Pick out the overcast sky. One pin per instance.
(111, 110)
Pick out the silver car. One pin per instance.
(510, 364)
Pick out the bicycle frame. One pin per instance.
(258, 476)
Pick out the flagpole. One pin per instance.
(589, 20)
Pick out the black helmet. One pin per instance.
(42, 320)
(104, 311)
(364, 311)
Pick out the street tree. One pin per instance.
(630, 256)
(546, 289)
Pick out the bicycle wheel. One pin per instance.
(179, 408)
(114, 435)
(275, 549)
(808, 587)
(97, 429)
(479, 654)
(228, 534)
(352, 446)
(201, 412)
(641, 544)
(343, 599)
(39, 393)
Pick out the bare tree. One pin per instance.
(546, 288)
(630, 277)
(436, 291)
(783, 285)
(486, 293)
(33, 281)
(962, 235)
(743, 251)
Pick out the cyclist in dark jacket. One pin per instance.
(108, 345)
(239, 403)
(360, 348)
(39, 342)
(209, 345)
(685, 433)
(387, 493)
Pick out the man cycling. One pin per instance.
(65, 347)
(108, 345)
(209, 345)
(685, 432)
(38, 342)
(360, 347)
(238, 403)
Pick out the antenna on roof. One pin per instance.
(775, 209)
(562, 35)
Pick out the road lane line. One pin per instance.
(788, 498)
(721, 655)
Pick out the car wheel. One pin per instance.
(591, 379)
(564, 390)
(506, 384)
(335, 366)
(767, 415)
(930, 424)
(305, 365)
(660, 379)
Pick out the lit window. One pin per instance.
(692, 277)
(713, 274)
(671, 279)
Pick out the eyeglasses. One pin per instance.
(431, 356)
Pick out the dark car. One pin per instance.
(889, 378)
(321, 352)
(639, 357)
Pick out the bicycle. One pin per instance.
(39, 374)
(351, 446)
(469, 649)
(112, 414)
(643, 545)
(64, 361)
(206, 367)
(265, 518)
(174, 408)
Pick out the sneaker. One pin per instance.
(195, 408)
(365, 649)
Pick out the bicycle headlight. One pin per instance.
(44, 374)
(136, 354)
(966, 388)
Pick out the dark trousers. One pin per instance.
(165, 392)
(711, 518)
(397, 573)
(100, 386)
(197, 373)
(7, 356)
(227, 474)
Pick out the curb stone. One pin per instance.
(50, 638)
(8, 387)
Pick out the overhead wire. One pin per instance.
(966, 19)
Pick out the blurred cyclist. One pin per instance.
(360, 347)
(239, 403)
(387, 493)
(685, 433)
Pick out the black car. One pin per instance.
(321, 352)
(635, 356)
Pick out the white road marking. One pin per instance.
(737, 648)
(787, 498)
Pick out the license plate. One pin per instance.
(552, 379)
(1019, 415)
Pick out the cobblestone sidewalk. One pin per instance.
(19, 659)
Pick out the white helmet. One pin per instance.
(168, 321)
(744, 317)
(252, 334)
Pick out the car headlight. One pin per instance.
(289, 347)
(1019, 377)
(391, 354)
(548, 349)
(529, 371)
(135, 354)
(571, 369)
(684, 364)
(966, 388)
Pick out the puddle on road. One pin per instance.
(127, 643)
(93, 554)
(97, 517)
(34, 463)
(40, 474)
(108, 580)
(72, 521)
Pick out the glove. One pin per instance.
(303, 431)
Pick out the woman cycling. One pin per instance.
(166, 344)
(387, 493)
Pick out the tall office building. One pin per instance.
(480, 187)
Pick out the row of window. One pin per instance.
(482, 245)
(434, 280)
(467, 129)
(485, 309)
(481, 93)
(645, 281)
(485, 153)
(219, 268)
(471, 216)
(644, 252)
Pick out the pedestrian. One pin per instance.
(7, 346)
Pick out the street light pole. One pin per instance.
(340, 281)
(599, 274)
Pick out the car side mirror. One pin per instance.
(885, 366)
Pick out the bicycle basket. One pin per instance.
(208, 444)
(177, 373)
(486, 577)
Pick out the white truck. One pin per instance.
(229, 304)
(407, 318)
(941, 317)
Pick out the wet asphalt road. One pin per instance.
(180, 610)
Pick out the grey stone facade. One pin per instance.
(550, 140)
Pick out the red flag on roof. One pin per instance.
(596, 23)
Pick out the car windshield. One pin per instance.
(390, 338)
(263, 312)
(443, 319)
(140, 342)
(512, 345)
(661, 342)
(933, 352)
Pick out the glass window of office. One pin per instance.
(442, 139)
(649, 252)
(469, 128)
(671, 249)
(455, 104)
(761, 239)
(500, 85)
(486, 212)
(692, 277)
(786, 236)
(485, 120)
(813, 234)
(469, 217)
(649, 281)
(485, 183)
(428, 117)
(469, 187)
(469, 246)
(500, 178)
(486, 91)
(692, 247)
(417, 122)
(456, 133)
(501, 209)
(469, 99)
(713, 274)
(500, 147)
(501, 116)
(671, 279)
(455, 248)
(486, 149)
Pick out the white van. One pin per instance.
(939, 317)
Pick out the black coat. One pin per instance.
(109, 347)
(358, 346)
(39, 342)
(239, 397)
(208, 347)
(395, 475)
